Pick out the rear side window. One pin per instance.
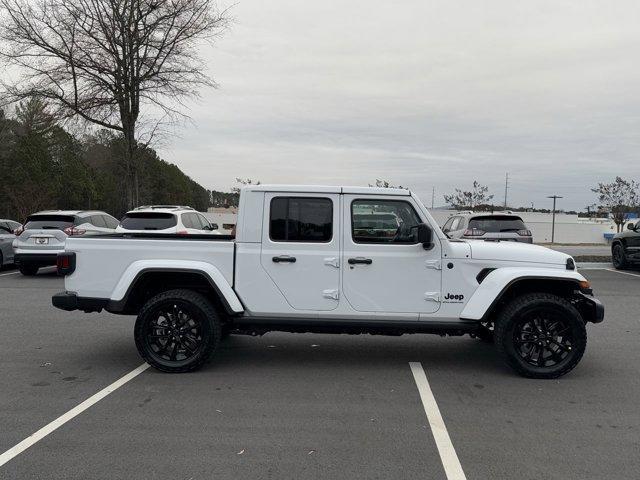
(301, 219)
(49, 222)
(497, 223)
(148, 221)
(98, 221)
(110, 221)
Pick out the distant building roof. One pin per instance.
(233, 210)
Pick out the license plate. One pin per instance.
(42, 241)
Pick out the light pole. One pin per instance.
(553, 218)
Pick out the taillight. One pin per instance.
(182, 232)
(524, 233)
(73, 231)
(474, 232)
(66, 263)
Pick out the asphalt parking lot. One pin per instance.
(311, 406)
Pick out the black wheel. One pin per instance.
(540, 335)
(29, 270)
(618, 257)
(177, 331)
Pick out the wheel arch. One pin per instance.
(504, 284)
(137, 285)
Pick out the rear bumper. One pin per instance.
(40, 259)
(70, 301)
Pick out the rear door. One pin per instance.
(301, 248)
(385, 268)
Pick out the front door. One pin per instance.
(385, 268)
(301, 248)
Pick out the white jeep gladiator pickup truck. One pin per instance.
(332, 260)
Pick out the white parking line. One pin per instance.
(450, 462)
(75, 411)
(623, 273)
(10, 273)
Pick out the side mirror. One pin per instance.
(425, 235)
(214, 226)
(631, 226)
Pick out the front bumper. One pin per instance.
(591, 308)
(40, 259)
(70, 301)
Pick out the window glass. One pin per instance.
(456, 224)
(187, 220)
(110, 221)
(447, 226)
(383, 221)
(98, 221)
(203, 221)
(4, 227)
(497, 223)
(148, 221)
(301, 219)
(51, 222)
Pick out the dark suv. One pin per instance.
(625, 247)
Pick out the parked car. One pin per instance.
(625, 247)
(488, 226)
(166, 219)
(7, 236)
(44, 234)
(301, 263)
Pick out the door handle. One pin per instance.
(362, 260)
(284, 259)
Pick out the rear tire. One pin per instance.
(540, 335)
(618, 257)
(177, 331)
(29, 270)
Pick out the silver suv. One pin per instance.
(44, 233)
(7, 235)
(503, 226)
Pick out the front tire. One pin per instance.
(540, 335)
(618, 257)
(28, 270)
(177, 331)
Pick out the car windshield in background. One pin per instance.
(52, 222)
(497, 223)
(148, 221)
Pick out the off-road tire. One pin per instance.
(196, 306)
(29, 270)
(515, 313)
(618, 257)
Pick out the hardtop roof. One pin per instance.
(327, 189)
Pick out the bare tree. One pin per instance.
(386, 184)
(242, 182)
(104, 61)
(478, 195)
(618, 197)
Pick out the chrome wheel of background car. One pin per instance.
(173, 334)
(543, 340)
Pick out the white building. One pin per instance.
(225, 218)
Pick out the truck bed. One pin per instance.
(103, 261)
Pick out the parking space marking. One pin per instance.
(448, 456)
(623, 273)
(75, 411)
(10, 273)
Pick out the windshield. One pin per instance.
(497, 223)
(148, 221)
(52, 222)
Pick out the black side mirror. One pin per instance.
(214, 226)
(425, 235)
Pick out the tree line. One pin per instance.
(45, 166)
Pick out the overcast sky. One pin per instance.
(424, 94)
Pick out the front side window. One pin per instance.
(384, 221)
(301, 219)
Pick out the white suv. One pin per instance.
(166, 219)
(43, 235)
